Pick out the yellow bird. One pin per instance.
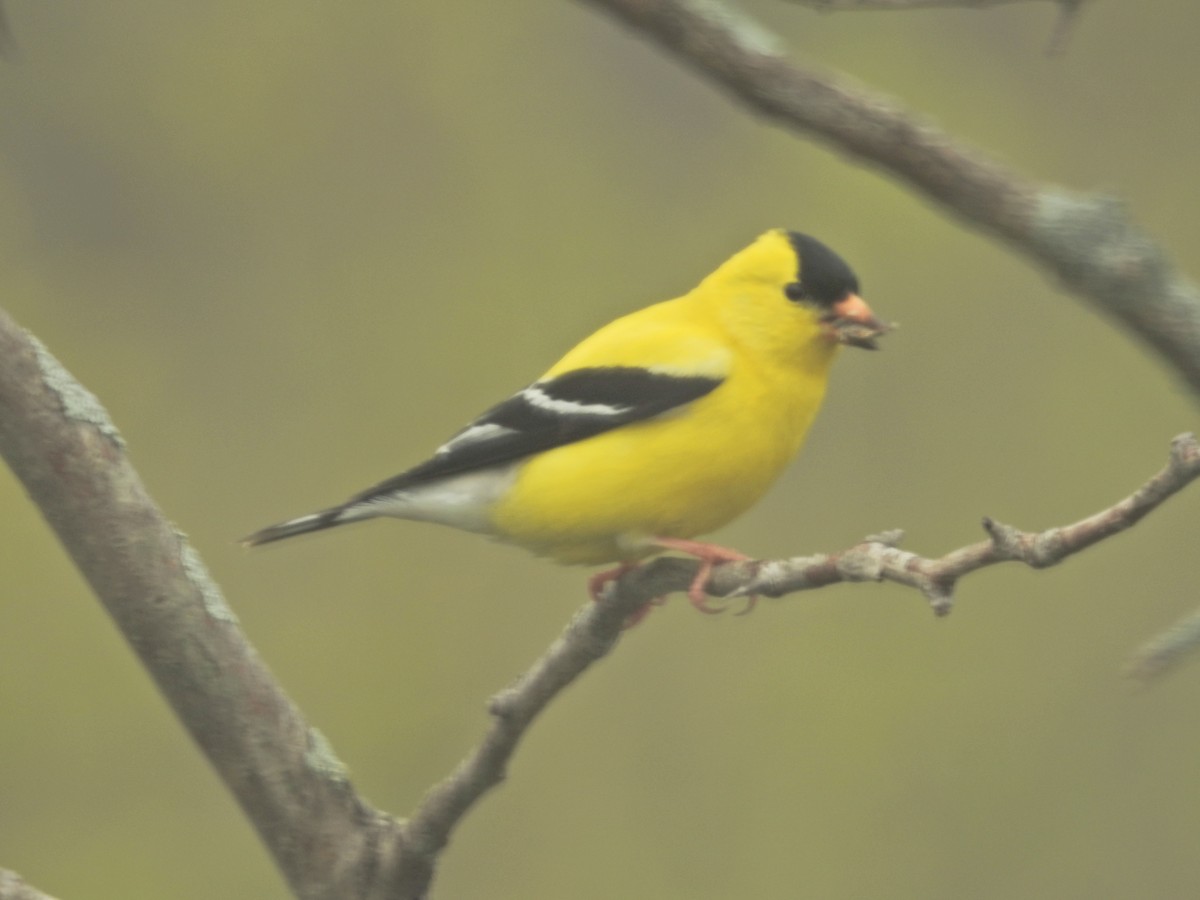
(661, 426)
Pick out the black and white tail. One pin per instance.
(318, 521)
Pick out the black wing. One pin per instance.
(551, 413)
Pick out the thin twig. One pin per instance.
(877, 558)
(597, 627)
(590, 635)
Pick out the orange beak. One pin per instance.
(850, 321)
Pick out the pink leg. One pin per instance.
(709, 555)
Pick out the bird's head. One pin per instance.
(788, 291)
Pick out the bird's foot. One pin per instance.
(710, 555)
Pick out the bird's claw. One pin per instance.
(701, 603)
(709, 555)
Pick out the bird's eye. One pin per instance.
(794, 290)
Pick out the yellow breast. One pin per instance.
(689, 471)
(679, 475)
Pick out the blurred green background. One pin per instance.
(293, 246)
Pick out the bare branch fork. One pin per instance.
(328, 841)
(597, 627)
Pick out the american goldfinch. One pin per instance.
(663, 425)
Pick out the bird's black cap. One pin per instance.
(827, 278)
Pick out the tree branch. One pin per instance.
(14, 887)
(597, 627)
(327, 840)
(1086, 240)
(60, 443)
(877, 557)
(329, 843)
(592, 633)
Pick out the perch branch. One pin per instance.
(877, 558)
(326, 839)
(1086, 240)
(597, 627)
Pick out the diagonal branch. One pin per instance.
(326, 839)
(1087, 241)
(591, 634)
(329, 842)
(59, 442)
